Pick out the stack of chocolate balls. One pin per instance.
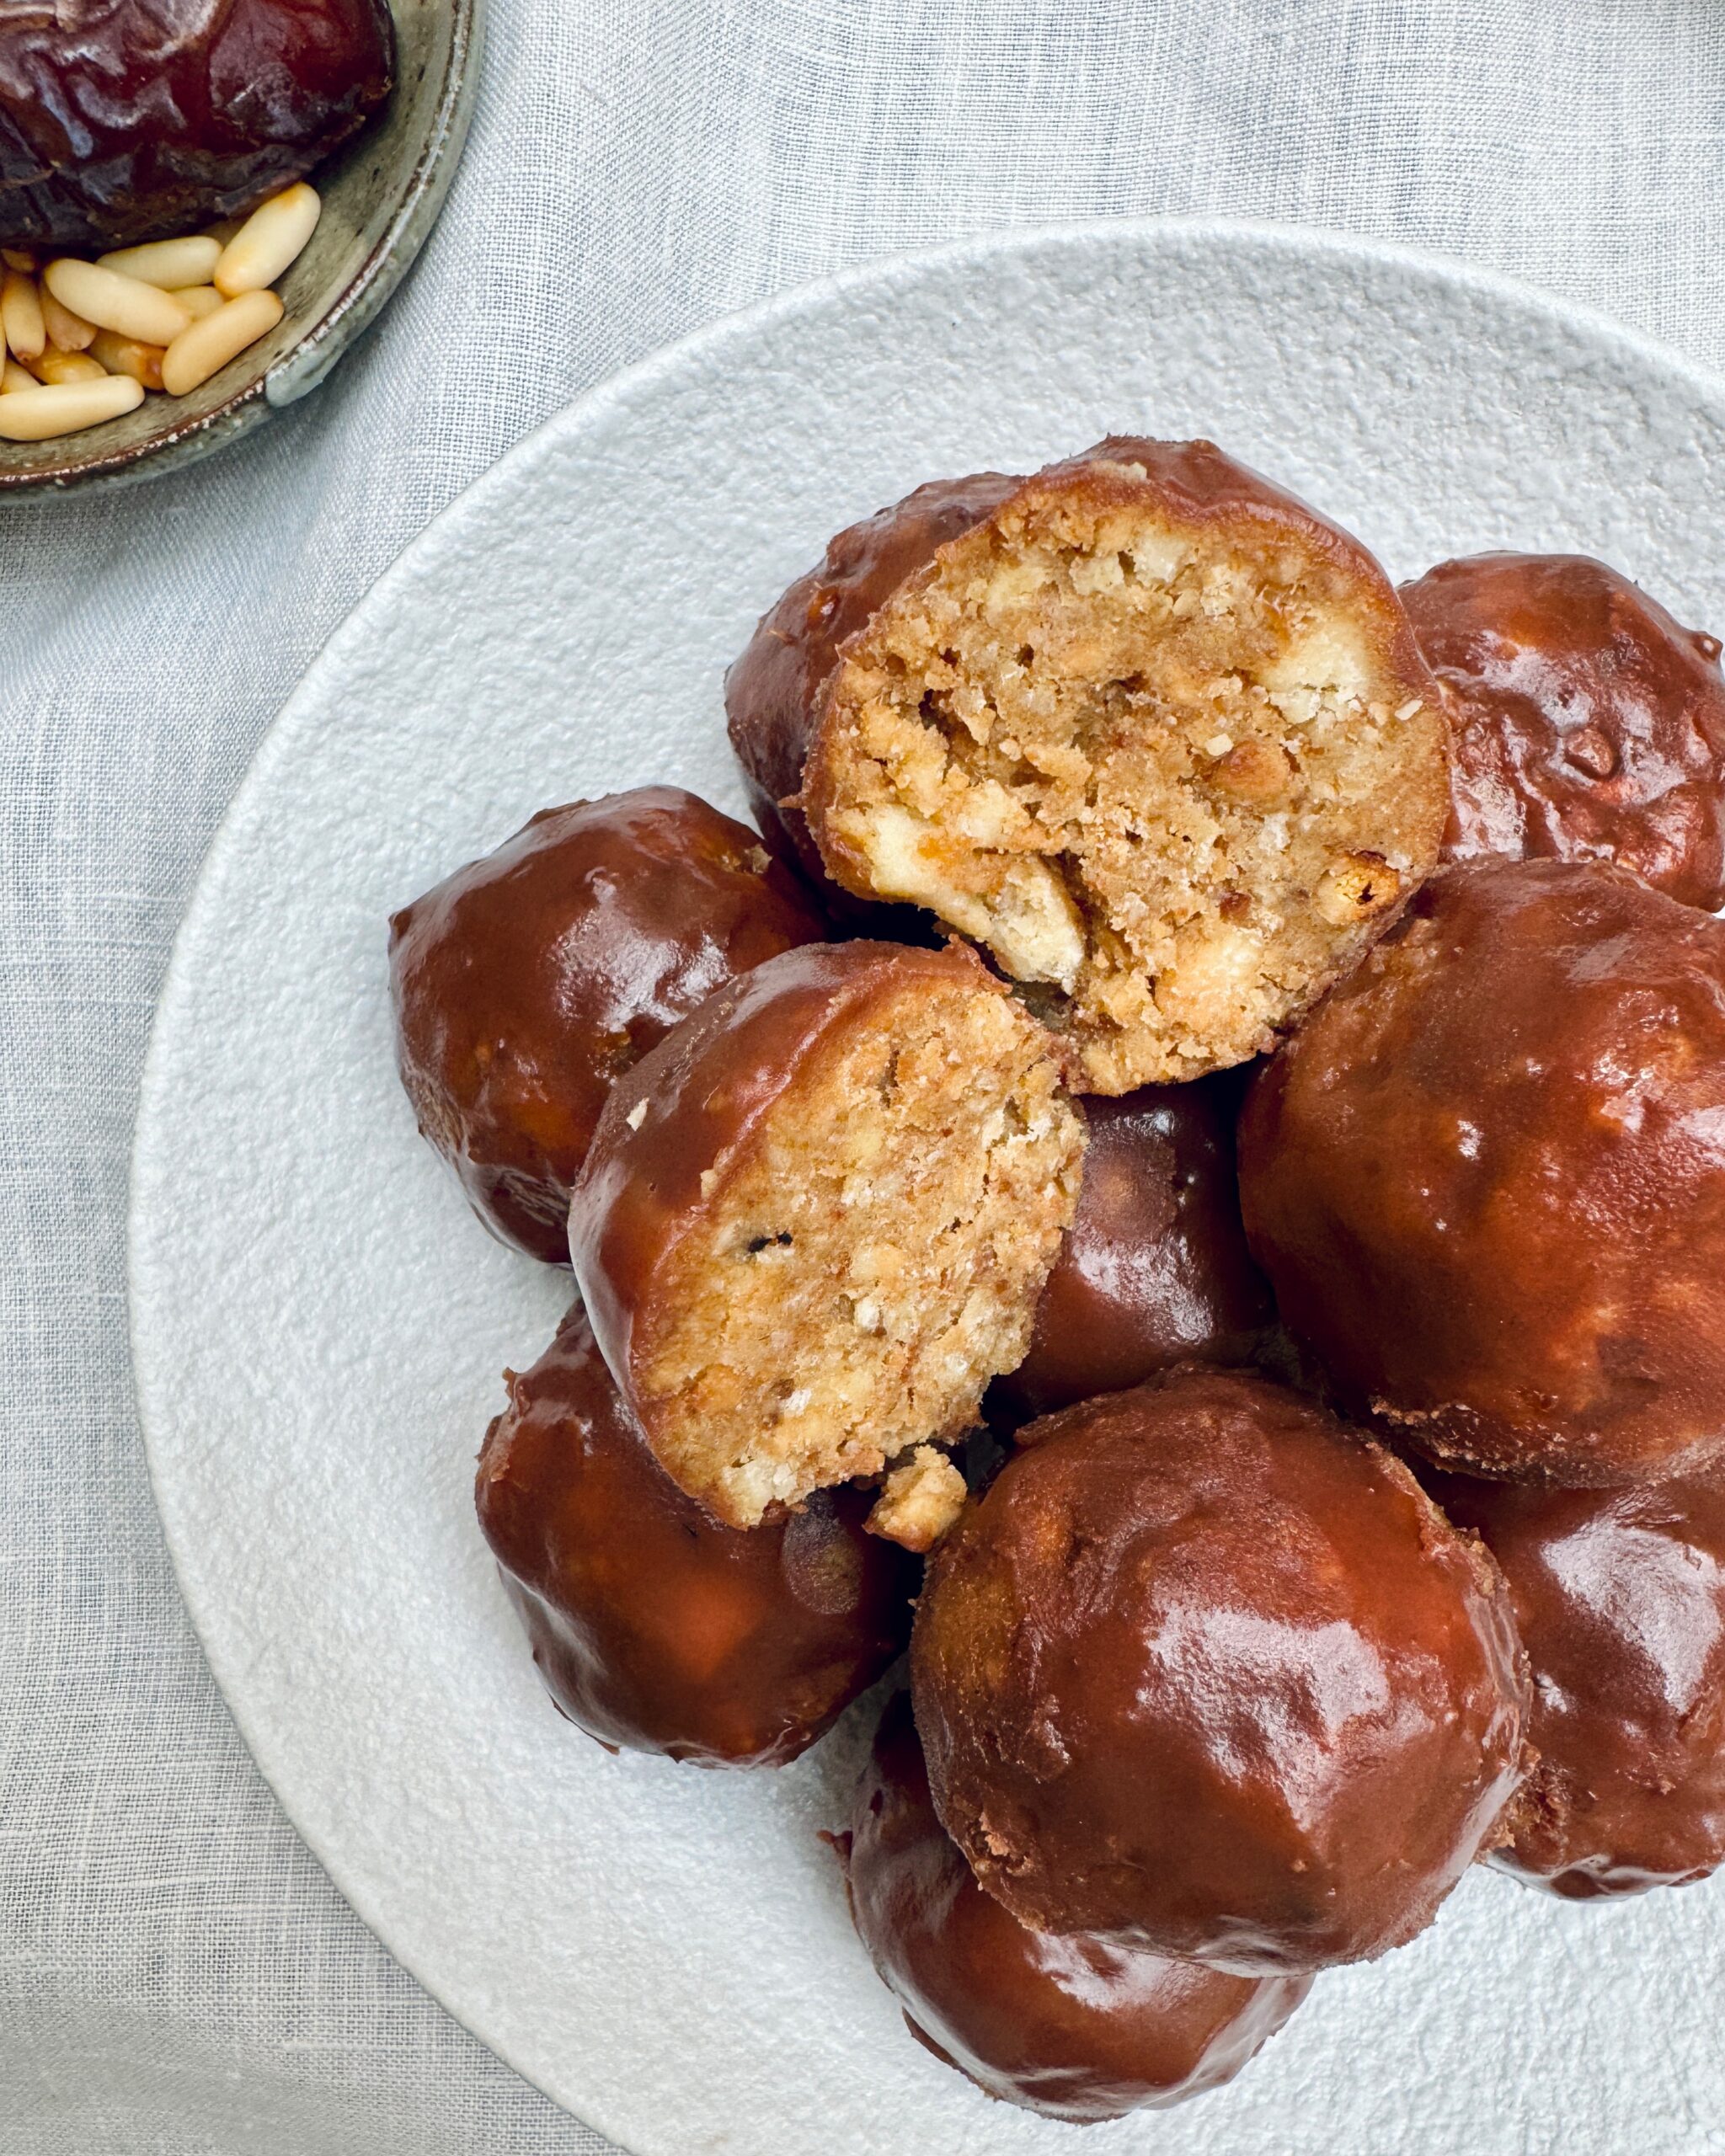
(1253, 1043)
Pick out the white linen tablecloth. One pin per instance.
(176, 1973)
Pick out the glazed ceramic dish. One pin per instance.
(320, 1325)
(381, 197)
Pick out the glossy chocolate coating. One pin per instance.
(1206, 1673)
(1154, 1270)
(1620, 1596)
(123, 120)
(654, 1627)
(526, 983)
(772, 691)
(1074, 2028)
(1486, 1178)
(1589, 725)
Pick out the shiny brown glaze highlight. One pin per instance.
(1620, 1596)
(122, 122)
(1589, 725)
(1073, 2028)
(1154, 1270)
(654, 1627)
(1207, 1674)
(528, 981)
(1486, 1178)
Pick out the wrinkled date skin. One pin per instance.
(123, 120)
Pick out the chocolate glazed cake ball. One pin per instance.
(1154, 1270)
(1150, 732)
(1486, 1179)
(815, 1219)
(1074, 2028)
(1620, 1595)
(654, 1627)
(526, 983)
(1589, 725)
(1205, 1673)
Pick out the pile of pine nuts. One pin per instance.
(84, 340)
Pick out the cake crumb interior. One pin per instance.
(921, 1501)
(873, 1259)
(1156, 769)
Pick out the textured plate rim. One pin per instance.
(1439, 271)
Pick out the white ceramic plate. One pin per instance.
(319, 1325)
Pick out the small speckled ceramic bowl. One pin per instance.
(382, 196)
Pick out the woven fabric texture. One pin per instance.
(176, 1974)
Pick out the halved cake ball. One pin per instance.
(815, 1221)
(1487, 1177)
(1074, 2028)
(655, 1628)
(1149, 731)
(528, 981)
(1204, 1672)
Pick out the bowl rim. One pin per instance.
(304, 366)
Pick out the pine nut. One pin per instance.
(69, 331)
(81, 342)
(167, 263)
(127, 355)
(21, 315)
(55, 366)
(269, 240)
(65, 408)
(196, 353)
(116, 303)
